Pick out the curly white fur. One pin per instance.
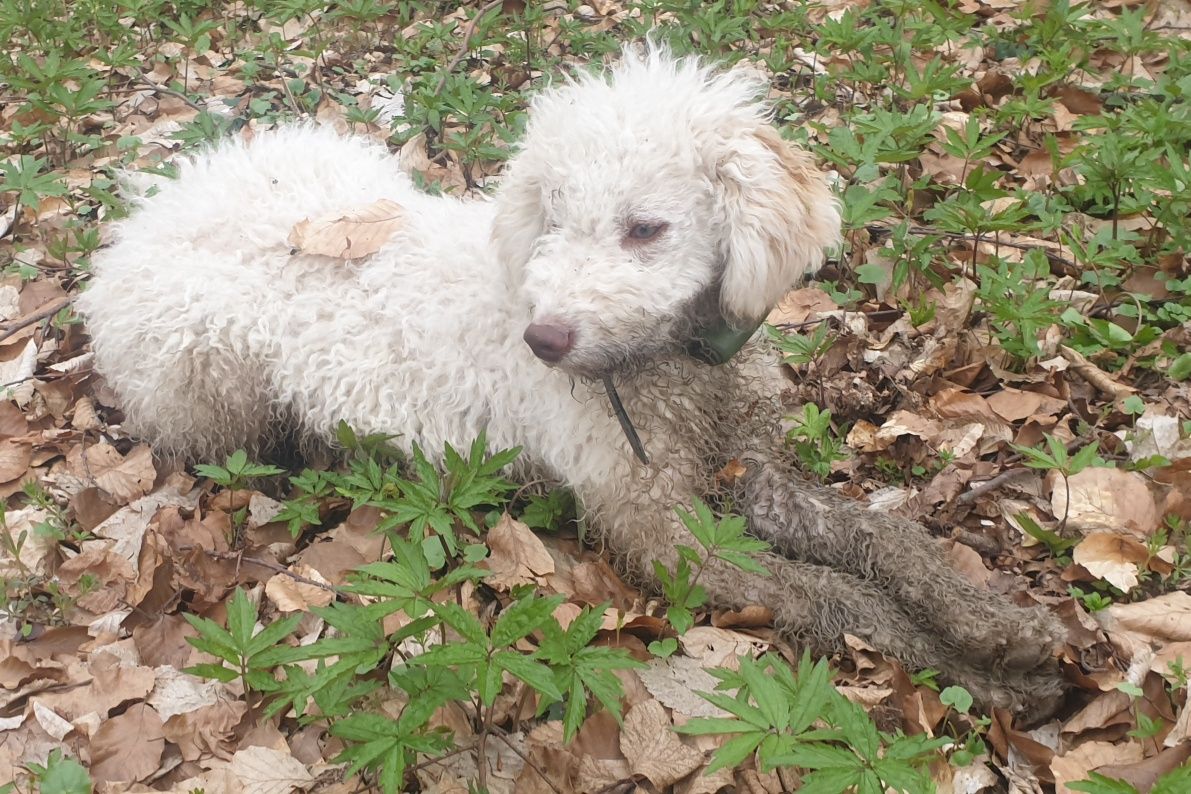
(209, 330)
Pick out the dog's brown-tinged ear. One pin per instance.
(779, 217)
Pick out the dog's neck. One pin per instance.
(713, 339)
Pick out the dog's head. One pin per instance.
(647, 204)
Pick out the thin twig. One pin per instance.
(161, 89)
(992, 484)
(503, 735)
(49, 310)
(272, 566)
(465, 44)
(440, 759)
(926, 230)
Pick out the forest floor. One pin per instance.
(1002, 350)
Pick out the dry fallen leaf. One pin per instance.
(1113, 557)
(518, 556)
(349, 235)
(1102, 498)
(124, 478)
(262, 770)
(1075, 764)
(1165, 618)
(653, 749)
(292, 595)
(127, 748)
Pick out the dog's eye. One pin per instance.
(645, 231)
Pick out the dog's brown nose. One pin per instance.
(549, 341)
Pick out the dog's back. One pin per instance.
(200, 302)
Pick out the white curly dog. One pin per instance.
(651, 210)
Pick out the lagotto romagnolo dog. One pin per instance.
(650, 211)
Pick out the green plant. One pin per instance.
(1092, 601)
(239, 645)
(433, 504)
(1056, 458)
(1058, 546)
(24, 176)
(971, 745)
(460, 660)
(801, 349)
(815, 441)
(799, 720)
(236, 471)
(60, 775)
(722, 540)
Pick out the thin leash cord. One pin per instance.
(626, 424)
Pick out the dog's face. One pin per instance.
(647, 206)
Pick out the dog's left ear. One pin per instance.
(779, 217)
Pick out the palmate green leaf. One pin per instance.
(1176, 781)
(858, 729)
(212, 638)
(429, 689)
(522, 617)
(272, 634)
(680, 618)
(831, 781)
(734, 752)
(701, 524)
(534, 673)
(262, 681)
(488, 682)
(576, 708)
(743, 560)
(237, 461)
(814, 690)
(559, 646)
(216, 474)
(1086, 456)
(241, 619)
(595, 666)
(462, 621)
(901, 776)
(816, 755)
(869, 783)
(766, 693)
(745, 711)
(917, 747)
(216, 671)
(715, 726)
(451, 655)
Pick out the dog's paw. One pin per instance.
(1013, 639)
(1032, 697)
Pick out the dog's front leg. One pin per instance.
(818, 525)
(813, 605)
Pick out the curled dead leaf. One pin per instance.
(1113, 557)
(518, 556)
(653, 749)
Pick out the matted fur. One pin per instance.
(214, 335)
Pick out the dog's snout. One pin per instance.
(549, 341)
